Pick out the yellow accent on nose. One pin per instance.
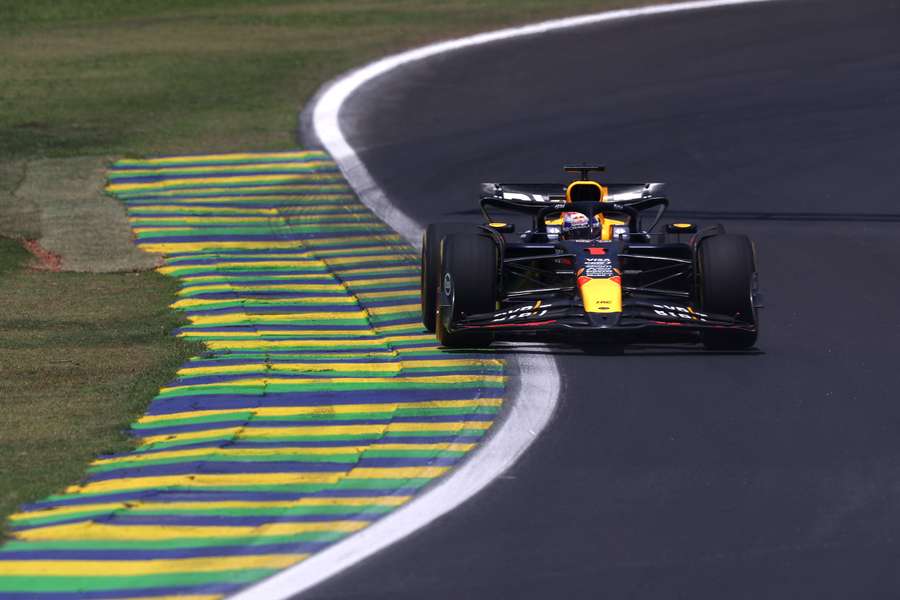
(601, 296)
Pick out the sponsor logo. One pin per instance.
(523, 197)
(598, 267)
(679, 312)
(522, 312)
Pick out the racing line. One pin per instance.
(674, 472)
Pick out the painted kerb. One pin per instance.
(320, 406)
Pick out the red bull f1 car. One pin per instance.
(593, 264)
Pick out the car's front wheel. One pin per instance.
(468, 286)
(431, 267)
(727, 277)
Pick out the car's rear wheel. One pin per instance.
(431, 267)
(468, 286)
(727, 276)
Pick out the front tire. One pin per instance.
(727, 277)
(431, 267)
(468, 287)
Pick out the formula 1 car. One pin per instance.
(589, 267)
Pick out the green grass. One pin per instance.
(81, 354)
(12, 256)
(159, 77)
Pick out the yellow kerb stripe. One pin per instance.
(90, 531)
(138, 507)
(256, 479)
(142, 220)
(395, 328)
(176, 597)
(238, 278)
(259, 333)
(233, 156)
(393, 280)
(377, 270)
(290, 287)
(330, 366)
(193, 182)
(126, 568)
(351, 260)
(315, 430)
(178, 206)
(323, 380)
(326, 411)
(251, 452)
(248, 265)
(288, 166)
(306, 191)
(401, 308)
(282, 226)
(174, 247)
(390, 294)
(263, 344)
(340, 300)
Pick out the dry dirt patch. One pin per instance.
(59, 204)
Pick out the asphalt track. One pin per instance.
(673, 472)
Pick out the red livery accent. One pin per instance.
(599, 251)
(526, 324)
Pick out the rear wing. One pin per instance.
(549, 193)
(526, 193)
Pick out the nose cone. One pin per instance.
(601, 290)
(604, 319)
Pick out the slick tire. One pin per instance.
(727, 273)
(468, 286)
(431, 267)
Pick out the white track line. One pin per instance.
(536, 397)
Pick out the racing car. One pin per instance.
(593, 264)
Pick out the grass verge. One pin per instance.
(81, 355)
(104, 77)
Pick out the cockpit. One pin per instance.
(573, 225)
(584, 209)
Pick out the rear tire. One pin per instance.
(431, 267)
(468, 286)
(727, 274)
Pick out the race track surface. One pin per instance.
(673, 472)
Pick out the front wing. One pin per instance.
(637, 317)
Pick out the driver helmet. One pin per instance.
(578, 226)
